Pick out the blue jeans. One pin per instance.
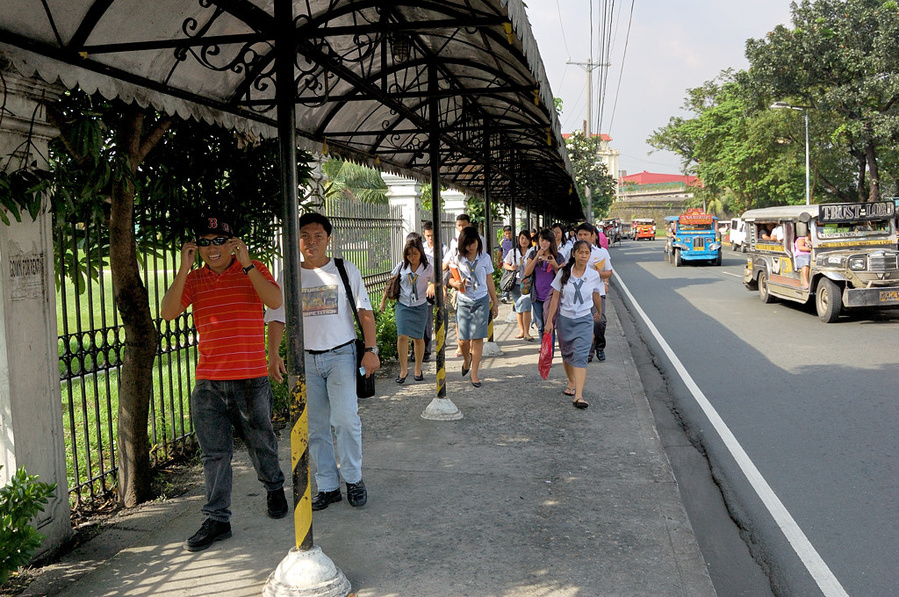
(247, 405)
(331, 401)
(537, 313)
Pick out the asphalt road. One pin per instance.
(797, 418)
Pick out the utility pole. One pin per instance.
(589, 66)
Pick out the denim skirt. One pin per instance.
(575, 338)
(472, 317)
(411, 321)
(522, 301)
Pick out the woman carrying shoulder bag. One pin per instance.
(514, 261)
(542, 262)
(416, 286)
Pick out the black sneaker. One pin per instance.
(209, 533)
(356, 493)
(277, 503)
(590, 357)
(601, 355)
(323, 499)
(426, 358)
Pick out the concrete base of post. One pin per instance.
(307, 573)
(492, 349)
(441, 409)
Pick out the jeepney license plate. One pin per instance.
(887, 296)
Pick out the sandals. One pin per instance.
(580, 403)
(568, 391)
(519, 336)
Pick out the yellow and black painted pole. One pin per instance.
(293, 287)
(440, 333)
(299, 465)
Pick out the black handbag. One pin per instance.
(507, 280)
(365, 386)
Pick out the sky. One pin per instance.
(673, 45)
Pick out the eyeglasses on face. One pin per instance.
(217, 241)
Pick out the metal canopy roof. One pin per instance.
(367, 74)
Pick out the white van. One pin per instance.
(738, 234)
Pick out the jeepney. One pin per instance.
(643, 228)
(854, 256)
(693, 236)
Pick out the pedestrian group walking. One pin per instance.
(561, 281)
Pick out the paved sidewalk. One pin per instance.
(525, 496)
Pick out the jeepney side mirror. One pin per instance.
(805, 217)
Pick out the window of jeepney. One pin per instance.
(857, 229)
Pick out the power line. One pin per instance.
(621, 70)
(564, 40)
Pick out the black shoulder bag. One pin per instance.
(365, 386)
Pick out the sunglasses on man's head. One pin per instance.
(217, 241)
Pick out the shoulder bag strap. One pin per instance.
(349, 291)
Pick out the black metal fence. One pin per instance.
(91, 339)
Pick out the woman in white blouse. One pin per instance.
(416, 286)
(515, 261)
(472, 271)
(577, 289)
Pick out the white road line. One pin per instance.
(813, 562)
(734, 275)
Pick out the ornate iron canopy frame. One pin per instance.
(362, 80)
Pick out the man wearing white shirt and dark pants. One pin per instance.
(601, 262)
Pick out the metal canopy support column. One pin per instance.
(441, 408)
(305, 570)
(490, 346)
(513, 185)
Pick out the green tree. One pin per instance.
(352, 181)
(590, 172)
(840, 58)
(734, 147)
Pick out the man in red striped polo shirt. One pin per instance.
(232, 386)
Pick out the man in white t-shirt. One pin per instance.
(329, 335)
(602, 262)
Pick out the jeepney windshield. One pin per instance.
(695, 227)
(857, 229)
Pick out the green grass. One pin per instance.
(90, 417)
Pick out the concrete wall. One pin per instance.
(31, 427)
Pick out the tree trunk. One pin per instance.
(873, 173)
(132, 301)
(862, 169)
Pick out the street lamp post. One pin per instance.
(786, 106)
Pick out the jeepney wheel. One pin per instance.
(764, 295)
(677, 258)
(718, 258)
(828, 300)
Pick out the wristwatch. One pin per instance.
(247, 269)
(372, 349)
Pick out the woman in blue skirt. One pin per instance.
(416, 286)
(577, 291)
(472, 276)
(514, 261)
